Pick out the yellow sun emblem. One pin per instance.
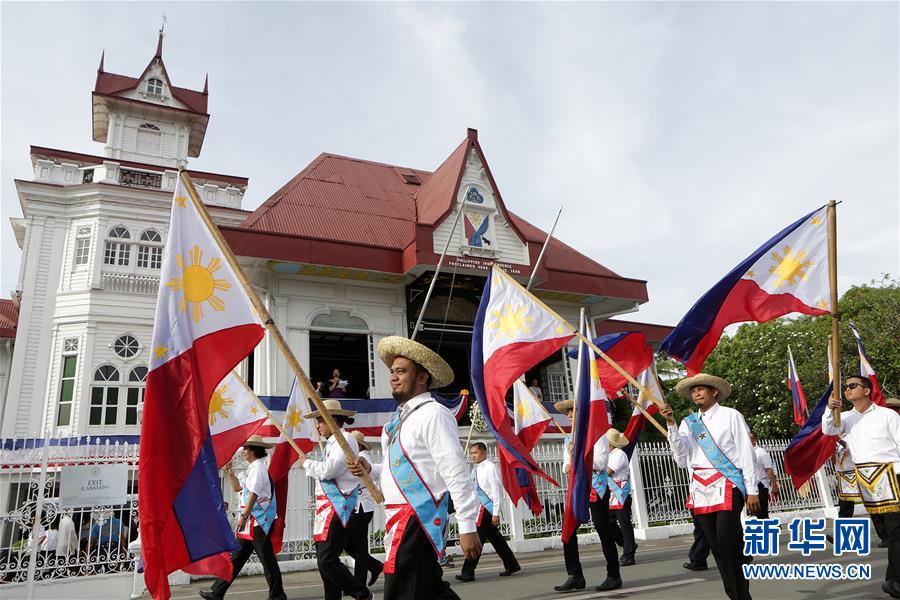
(522, 410)
(198, 283)
(217, 404)
(293, 419)
(510, 321)
(791, 266)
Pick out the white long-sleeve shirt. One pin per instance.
(256, 481)
(601, 454)
(732, 436)
(333, 465)
(366, 502)
(431, 443)
(488, 476)
(873, 436)
(618, 462)
(763, 462)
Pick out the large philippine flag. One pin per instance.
(592, 420)
(798, 396)
(810, 448)
(234, 415)
(530, 419)
(630, 350)
(866, 370)
(513, 331)
(789, 273)
(205, 324)
(649, 380)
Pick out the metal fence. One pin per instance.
(41, 540)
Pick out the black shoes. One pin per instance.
(695, 566)
(374, 573)
(571, 584)
(610, 584)
(508, 572)
(891, 588)
(208, 595)
(465, 577)
(626, 561)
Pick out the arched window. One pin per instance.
(104, 396)
(117, 252)
(135, 394)
(148, 139)
(150, 251)
(126, 346)
(155, 86)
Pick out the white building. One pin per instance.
(342, 254)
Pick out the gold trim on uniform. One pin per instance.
(847, 488)
(878, 487)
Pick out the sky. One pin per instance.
(678, 136)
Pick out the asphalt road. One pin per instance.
(658, 574)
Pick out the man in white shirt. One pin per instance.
(872, 434)
(489, 489)
(535, 390)
(423, 466)
(254, 526)
(765, 476)
(358, 545)
(618, 469)
(337, 493)
(715, 445)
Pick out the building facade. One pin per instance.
(343, 254)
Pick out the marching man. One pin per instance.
(765, 476)
(620, 492)
(424, 466)
(872, 435)
(715, 445)
(489, 489)
(358, 545)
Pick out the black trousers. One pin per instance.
(846, 508)
(336, 577)
(699, 551)
(887, 526)
(358, 546)
(763, 493)
(600, 515)
(417, 575)
(623, 516)
(262, 545)
(725, 535)
(488, 531)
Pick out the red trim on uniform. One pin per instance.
(398, 522)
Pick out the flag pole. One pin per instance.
(835, 316)
(469, 438)
(589, 342)
(270, 326)
(537, 263)
(647, 415)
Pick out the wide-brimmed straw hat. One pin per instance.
(564, 405)
(684, 386)
(361, 440)
(615, 437)
(393, 346)
(334, 407)
(256, 440)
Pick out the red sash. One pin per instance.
(398, 517)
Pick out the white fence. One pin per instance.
(31, 519)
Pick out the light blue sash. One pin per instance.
(713, 453)
(343, 505)
(599, 481)
(432, 514)
(263, 518)
(621, 492)
(482, 496)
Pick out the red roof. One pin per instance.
(338, 201)
(9, 318)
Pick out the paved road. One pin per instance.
(658, 575)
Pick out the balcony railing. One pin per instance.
(140, 179)
(130, 283)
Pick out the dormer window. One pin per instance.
(154, 87)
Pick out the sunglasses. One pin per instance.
(853, 386)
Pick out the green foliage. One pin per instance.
(754, 359)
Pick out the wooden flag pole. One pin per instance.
(469, 438)
(647, 415)
(835, 316)
(589, 342)
(270, 326)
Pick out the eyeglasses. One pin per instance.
(852, 386)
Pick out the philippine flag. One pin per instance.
(629, 350)
(530, 420)
(513, 331)
(649, 380)
(798, 396)
(866, 370)
(234, 415)
(205, 324)
(592, 420)
(810, 448)
(789, 273)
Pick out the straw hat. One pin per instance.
(334, 407)
(393, 346)
(361, 440)
(564, 405)
(892, 403)
(684, 386)
(257, 441)
(615, 437)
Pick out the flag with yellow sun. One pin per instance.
(204, 325)
(234, 415)
(787, 274)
